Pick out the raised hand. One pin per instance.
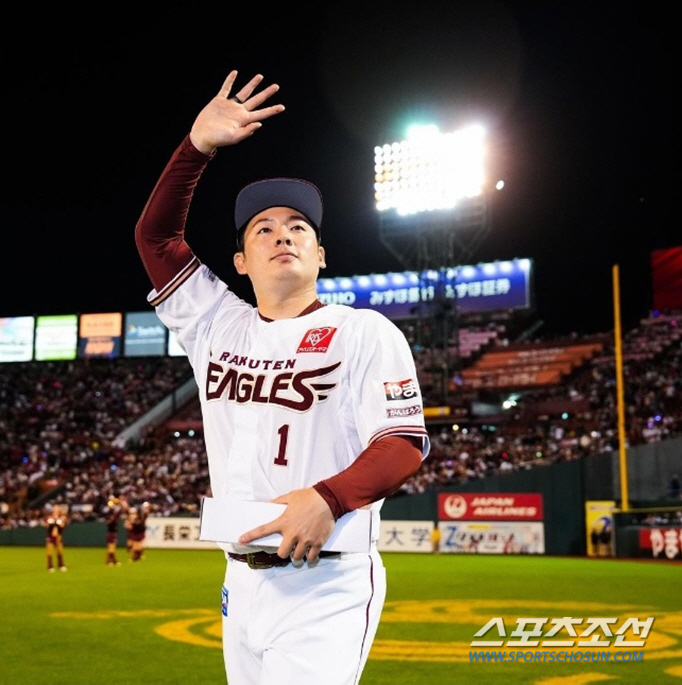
(229, 119)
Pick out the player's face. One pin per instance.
(280, 246)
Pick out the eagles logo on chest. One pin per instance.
(296, 390)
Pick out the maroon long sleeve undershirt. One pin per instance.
(160, 230)
(378, 472)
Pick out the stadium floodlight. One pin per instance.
(430, 193)
(429, 170)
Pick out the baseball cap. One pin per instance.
(303, 196)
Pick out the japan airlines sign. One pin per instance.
(490, 506)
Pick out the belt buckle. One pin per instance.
(252, 561)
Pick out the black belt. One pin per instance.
(267, 560)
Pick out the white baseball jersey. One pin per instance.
(290, 402)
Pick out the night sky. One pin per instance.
(577, 99)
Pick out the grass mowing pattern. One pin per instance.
(158, 621)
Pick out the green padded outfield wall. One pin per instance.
(561, 487)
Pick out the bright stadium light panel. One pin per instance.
(429, 170)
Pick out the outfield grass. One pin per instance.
(158, 621)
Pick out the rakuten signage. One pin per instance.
(490, 506)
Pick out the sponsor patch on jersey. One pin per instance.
(401, 390)
(400, 412)
(317, 339)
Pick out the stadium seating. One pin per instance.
(60, 421)
(529, 365)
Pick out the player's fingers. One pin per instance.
(313, 554)
(298, 555)
(257, 99)
(255, 534)
(245, 95)
(246, 131)
(227, 84)
(260, 114)
(248, 89)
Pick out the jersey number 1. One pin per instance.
(281, 459)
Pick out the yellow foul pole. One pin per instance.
(622, 452)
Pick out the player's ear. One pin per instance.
(323, 263)
(240, 263)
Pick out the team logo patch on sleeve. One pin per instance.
(317, 339)
(401, 390)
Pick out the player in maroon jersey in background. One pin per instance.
(116, 508)
(55, 522)
(136, 524)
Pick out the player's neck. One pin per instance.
(290, 307)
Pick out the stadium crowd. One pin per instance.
(59, 422)
(584, 420)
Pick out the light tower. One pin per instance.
(433, 213)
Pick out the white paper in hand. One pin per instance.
(224, 519)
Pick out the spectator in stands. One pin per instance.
(55, 523)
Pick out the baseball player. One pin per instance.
(116, 508)
(136, 527)
(311, 406)
(55, 523)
